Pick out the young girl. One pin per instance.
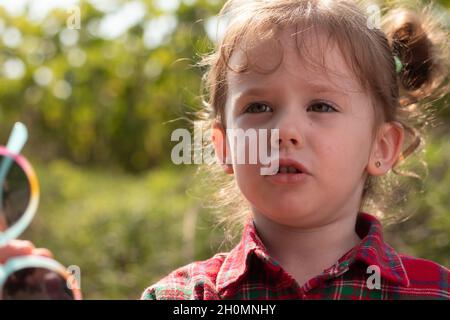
(344, 96)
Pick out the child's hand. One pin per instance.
(21, 248)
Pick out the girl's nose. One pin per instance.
(288, 141)
(289, 133)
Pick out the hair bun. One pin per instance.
(411, 45)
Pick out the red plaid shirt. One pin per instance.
(248, 272)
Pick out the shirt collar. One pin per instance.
(372, 250)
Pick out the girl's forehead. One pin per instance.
(308, 57)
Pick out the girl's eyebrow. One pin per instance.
(250, 92)
(319, 88)
(313, 87)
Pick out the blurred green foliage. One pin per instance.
(99, 101)
(100, 112)
(123, 231)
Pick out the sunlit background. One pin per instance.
(100, 102)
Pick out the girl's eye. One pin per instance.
(322, 107)
(258, 108)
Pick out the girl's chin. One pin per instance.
(286, 214)
(288, 179)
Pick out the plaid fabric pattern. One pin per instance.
(248, 272)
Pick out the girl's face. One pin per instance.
(325, 123)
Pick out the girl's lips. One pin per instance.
(287, 162)
(288, 178)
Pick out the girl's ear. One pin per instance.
(386, 148)
(221, 147)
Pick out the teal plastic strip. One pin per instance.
(16, 141)
(18, 263)
(18, 138)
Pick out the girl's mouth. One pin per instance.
(288, 175)
(288, 169)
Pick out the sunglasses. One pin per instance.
(26, 277)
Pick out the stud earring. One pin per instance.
(378, 164)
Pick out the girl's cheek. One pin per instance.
(255, 121)
(247, 177)
(329, 152)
